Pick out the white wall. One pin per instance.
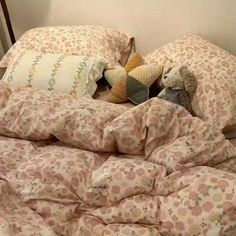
(152, 22)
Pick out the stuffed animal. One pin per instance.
(132, 82)
(180, 85)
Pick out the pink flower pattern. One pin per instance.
(84, 167)
(85, 40)
(215, 70)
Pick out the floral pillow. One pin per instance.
(86, 40)
(215, 69)
(74, 75)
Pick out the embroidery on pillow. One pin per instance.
(10, 77)
(55, 69)
(32, 70)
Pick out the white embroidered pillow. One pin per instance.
(74, 75)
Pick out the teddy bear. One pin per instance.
(179, 87)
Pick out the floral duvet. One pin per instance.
(85, 167)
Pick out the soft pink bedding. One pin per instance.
(86, 167)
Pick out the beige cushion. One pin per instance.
(134, 61)
(75, 75)
(145, 74)
(118, 92)
(112, 76)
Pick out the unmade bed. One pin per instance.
(151, 170)
(74, 165)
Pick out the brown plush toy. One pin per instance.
(180, 85)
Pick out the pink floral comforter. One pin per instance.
(84, 167)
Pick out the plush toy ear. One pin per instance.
(189, 79)
(168, 66)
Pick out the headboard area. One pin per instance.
(151, 22)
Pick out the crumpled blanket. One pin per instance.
(85, 167)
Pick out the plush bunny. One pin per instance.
(180, 85)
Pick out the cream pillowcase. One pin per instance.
(74, 75)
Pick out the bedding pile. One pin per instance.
(84, 167)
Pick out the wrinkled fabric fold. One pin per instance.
(85, 167)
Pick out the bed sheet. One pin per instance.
(85, 167)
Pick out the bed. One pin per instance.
(80, 166)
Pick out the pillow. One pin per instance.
(74, 75)
(118, 92)
(215, 70)
(134, 61)
(114, 75)
(86, 40)
(135, 86)
(120, 72)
